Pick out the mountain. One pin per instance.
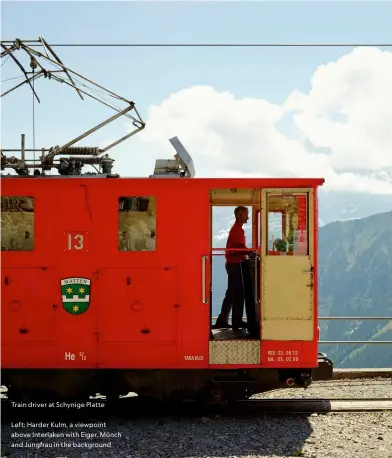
(342, 206)
(355, 279)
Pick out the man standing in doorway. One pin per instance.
(235, 293)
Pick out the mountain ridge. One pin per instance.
(355, 279)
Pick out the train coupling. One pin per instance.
(306, 379)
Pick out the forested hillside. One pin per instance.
(355, 279)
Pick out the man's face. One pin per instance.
(244, 216)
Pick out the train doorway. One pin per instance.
(281, 240)
(223, 203)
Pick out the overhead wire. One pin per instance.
(267, 45)
(5, 60)
(14, 78)
(180, 45)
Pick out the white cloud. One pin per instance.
(347, 112)
(222, 234)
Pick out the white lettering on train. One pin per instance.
(283, 356)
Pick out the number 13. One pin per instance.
(77, 246)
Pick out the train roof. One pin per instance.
(216, 181)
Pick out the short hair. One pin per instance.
(238, 210)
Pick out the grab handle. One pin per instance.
(203, 279)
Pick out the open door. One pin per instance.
(228, 346)
(287, 255)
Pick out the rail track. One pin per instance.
(315, 405)
(129, 407)
(349, 374)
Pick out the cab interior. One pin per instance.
(280, 223)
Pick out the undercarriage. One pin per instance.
(160, 385)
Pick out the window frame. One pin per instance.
(121, 234)
(291, 193)
(13, 197)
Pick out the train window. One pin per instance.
(136, 224)
(17, 223)
(287, 224)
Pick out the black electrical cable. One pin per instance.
(250, 45)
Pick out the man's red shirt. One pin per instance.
(236, 239)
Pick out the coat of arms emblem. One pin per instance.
(75, 294)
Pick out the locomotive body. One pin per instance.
(107, 287)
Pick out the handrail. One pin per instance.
(353, 318)
(359, 342)
(234, 249)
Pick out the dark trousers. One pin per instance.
(234, 297)
(239, 287)
(250, 304)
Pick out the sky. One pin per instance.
(288, 111)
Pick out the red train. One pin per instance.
(106, 285)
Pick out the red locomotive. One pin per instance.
(106, 282)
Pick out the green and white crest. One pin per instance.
(75, 293)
